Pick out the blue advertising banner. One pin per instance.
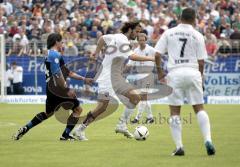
(222, 78)
(34, 73)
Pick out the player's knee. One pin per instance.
(77, 111)
(105, 104)
(136, 99)
(103, 107)
(197, 108)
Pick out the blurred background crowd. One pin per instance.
(27, 23)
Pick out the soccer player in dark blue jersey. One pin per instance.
(58, 94)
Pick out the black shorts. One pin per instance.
(53, 103)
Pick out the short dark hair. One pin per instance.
(129, 25)
(52, 39)
(188, 15)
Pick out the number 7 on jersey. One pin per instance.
(184, 40)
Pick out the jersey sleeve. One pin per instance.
(201, 49)
(161, 46)
(152, 51)
(108, 38)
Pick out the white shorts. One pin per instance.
(186, 83)
(120, 89)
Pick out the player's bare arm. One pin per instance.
(201, 66)
(79, 77)
(100, 44)
(160, 71)
(136, 57)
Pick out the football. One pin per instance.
(141, 133)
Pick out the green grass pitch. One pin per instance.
(41, 146)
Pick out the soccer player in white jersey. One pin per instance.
(142, 69)
(110, 80)
(186, 53)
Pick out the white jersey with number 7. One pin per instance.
(184, 45)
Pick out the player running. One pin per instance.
(186, 53)
(56, 90)
(143, 69)
(110, 80)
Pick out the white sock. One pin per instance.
(204, 124)
(176, 130)
(81, 127)
(149, 109)
(141, 108)
(125, 117)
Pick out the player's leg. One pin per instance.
(176, 100)
(91, 116)
(194, 94)
(133, 98)
(144, 106)
(204, 124)
(140, 110)
(37, 119)
(121, 126)
(72, 121)
(176, 129)
(149, 113)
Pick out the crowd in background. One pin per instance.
(27, 23)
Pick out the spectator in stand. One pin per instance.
(107, 16)
(35, 29)
(14, 29)
(93, 32)
(47, 30)
(236, 21)
(107, 22)
(228, 30)
(16, 48)
(37, 10)
(236, 33)
(143, 13)
(10, 20)
(7, 7)
(3, 25)
(46, 21)
(24, 21)
(224, 46)
(23, 42)
(211, 44)
(70, 49)
(64, 21)
(73, 35)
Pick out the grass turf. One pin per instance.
(41, 146)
